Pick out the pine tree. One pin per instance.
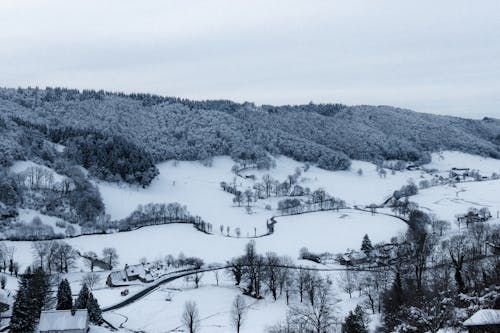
(366, 245)
(355, 322)
(95, 314)
(22, 319)
(64, 298)
(83, 297)
(32, 295)
(38, 290)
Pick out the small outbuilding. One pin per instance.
(484, 321)
(64, 321)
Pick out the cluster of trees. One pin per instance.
(289, 188)
(308, 295)
(434, 281)
(172, 128)
(54, 256)
(85, 300)
(442, 295)
(7, 263)
(108, 260)
(406, 191)
(112, 158)
(73, 198)
(266, 188)
(152, 214)
(33, 296)
(319, 200)
(35, 230)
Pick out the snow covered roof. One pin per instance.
(484, 317)
(135, 270)
(118, 277)
(59, 320)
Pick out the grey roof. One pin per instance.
(57, 320)
(484, 317)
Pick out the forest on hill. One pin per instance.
(120, 137)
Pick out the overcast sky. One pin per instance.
(430, 56)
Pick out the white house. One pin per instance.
(64, 321)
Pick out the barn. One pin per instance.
(64, 321)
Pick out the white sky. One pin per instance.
(435, 56)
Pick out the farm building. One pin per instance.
(129, 275)
(64, 321)
(484, 321)
(353, 258)
(474, 216)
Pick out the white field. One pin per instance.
(448, 201)
(197, 187)
(447, 160)
(323, 231)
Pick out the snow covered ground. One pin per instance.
(161, 311)
(448, 201)
(321, 231)
(198, 187)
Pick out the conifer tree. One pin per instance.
(64, 298)
(83, 297)
(355, 322)
(94, 310)
(366, 245)
(22, 319)
(38, 290)
(32, 295)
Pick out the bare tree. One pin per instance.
(91, 279)
(216, 276)
(41, 250)
(197, 278)
(90, 258)
(272, 261)
(248, 196)
(317, 316)
(268, 184)
(347, 282)
(110, 256)
(458, 247)
(191, 317)
(302, 277)
(238, 312)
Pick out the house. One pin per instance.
(353, 258)
(474, 216)
(484, 321)
(64, 321)
(459, 173)
(130, 275)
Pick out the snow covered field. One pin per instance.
(323, 231)
(448, 201)
(198, 187)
